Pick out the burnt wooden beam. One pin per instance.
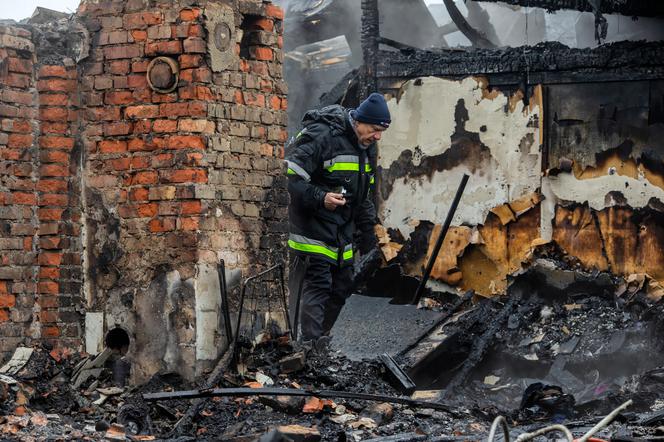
(612, 60)
(370, 35)
(644, 8)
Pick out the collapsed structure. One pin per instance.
(141, 144)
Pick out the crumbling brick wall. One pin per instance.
(125, 196)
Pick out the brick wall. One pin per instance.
(116, 200)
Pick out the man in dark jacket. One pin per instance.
(331, 170)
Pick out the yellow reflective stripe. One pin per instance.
(353, 167)
(367, 168)
(311, 248)
(372, 180)
(290, 172)
(348, 254)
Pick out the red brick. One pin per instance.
(50, 127)
(52, 186)
(173, 109)
(17, 80)
(49, 272)
(19, 140)
(280, 42)
(56, 85)
(17, 97)
(53, 114)
(119, 52)
(184, 176)
(53, 71)
(54, 170)
(198, 109)
(263, 24)
(27, 243)
(50, 259)
(185, 142)
(3, 287)
(147, 177)
(165, 125)
(120, 128)
(119, 67)
(48, 287)
(107, 113)
(139, 35)
(196, 31)
(4, 315)
(137, 82)
(55, 142)
(170, 47)
(50, 214)
(54, 199)
(162, 225)
(53, 156)
(139, 194)
(142, 126)
(203, 126)
(50, 332)
(48, 302)
(140, 66)
(275, 102)
(53, 99)
(195, 45)
(147, 210)
(141, 20)
(252, 99)
(49, 316)
(112, 146)
(261, 53)
(162, 160)
(118, 97)
(7, 301)
(24, 198)
(191, 223)
(20, 65)
(120, 163)
(143, 111)
(191, 208)
(189, 14)
(138, 144)
(190, 61)
(274, 11)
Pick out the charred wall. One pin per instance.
(562, 148)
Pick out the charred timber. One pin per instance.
(369, 37)
(632, 60)
(644, 8)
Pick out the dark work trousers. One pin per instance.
(323, 288)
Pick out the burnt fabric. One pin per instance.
(324, 288)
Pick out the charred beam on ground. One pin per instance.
(328, 394)
(406, 384)
(480, 346)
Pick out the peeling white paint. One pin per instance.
(424, 122)
(637, 192)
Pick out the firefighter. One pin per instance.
(331, 171)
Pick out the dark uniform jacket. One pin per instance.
(326, 157)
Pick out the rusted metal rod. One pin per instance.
(441, 238)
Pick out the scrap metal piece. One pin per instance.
(273, 391)
(406, 384)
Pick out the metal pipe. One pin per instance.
(604, 422)
(441, 238)
(557, 427)
(494, 427)
(223, 288)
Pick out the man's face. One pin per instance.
(369, 133)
